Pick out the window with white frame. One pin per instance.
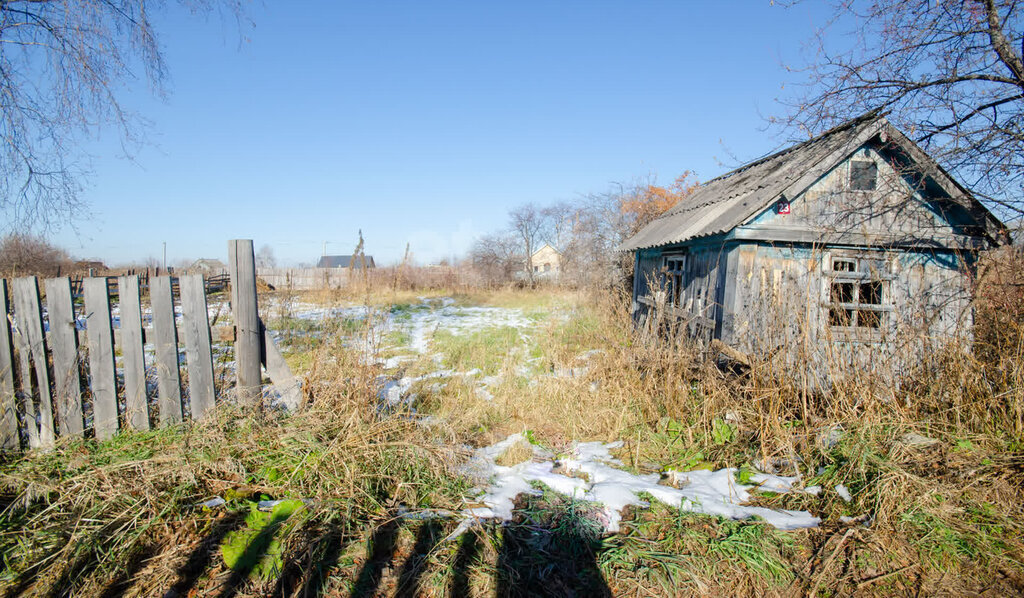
(857, 292)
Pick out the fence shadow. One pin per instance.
(307, 574)
(380, 552)
(427, 538)
(557, 557)
(467, 557)
(202, 555)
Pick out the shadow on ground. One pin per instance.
(541, 553)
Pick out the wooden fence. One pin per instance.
(304, 279)
(46, 389)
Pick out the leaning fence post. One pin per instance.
(242, 267)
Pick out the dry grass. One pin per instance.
(945, 515)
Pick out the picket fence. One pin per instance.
(57, 367)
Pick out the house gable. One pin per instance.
(727, 204)
(898, 205)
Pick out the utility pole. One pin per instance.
(325, 248)
(165, 256)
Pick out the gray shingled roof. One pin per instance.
(342, 261)
(724, 203)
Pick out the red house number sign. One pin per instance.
(782, 207)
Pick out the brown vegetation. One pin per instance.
(28, 255)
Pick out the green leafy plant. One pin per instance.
(722, 432)
(257, 547)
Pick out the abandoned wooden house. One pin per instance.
(843, 250)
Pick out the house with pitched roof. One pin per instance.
(849, 249)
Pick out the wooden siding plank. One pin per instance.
(9, 440)
(198, 351)
(242, 267)
(100, 335)
(165, 340)
(29, 317)
(64, 344)
(136, 402)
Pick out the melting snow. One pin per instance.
(710, 492)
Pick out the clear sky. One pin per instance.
(424, 122)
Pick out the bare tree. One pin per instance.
(528, 223)
(63, 66)
(497, 257)
(949, 74)
(265, 257)
(26, 255)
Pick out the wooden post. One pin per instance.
(64, 344)
(136, 403)
(165, 333)
(33, 344)
(9, 440)
(242, 267)
(197, 344)
(100, 335)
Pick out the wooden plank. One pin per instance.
(198, 352)
(64, 344)
(285, 383)
(242, 267)
(9, 440)
(165, 340)
(28, 314)
(100, 335)
(135, 400)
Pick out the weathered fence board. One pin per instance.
(100, 337)
(64, 344)
(136, 405)
(242, 267)
(32, 346)
(165, 340)
(198, 352)
(8, 405)
(280, 374)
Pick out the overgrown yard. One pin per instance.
(520, 443)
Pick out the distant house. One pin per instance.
(86, 265)
(343, 261)
(546, 261)
(854, 248)
(208, 266)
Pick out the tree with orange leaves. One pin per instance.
(646, 202)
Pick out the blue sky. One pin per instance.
(424, 122)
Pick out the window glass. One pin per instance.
(863, 175)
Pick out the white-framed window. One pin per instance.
(857, 291)
(674, 271)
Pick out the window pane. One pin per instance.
(842, 292)
(869, 319)
(840, 317)
(863, 175)
(871, 292)
(844, 265)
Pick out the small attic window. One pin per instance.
(863, 175)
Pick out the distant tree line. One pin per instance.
(585, 231)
